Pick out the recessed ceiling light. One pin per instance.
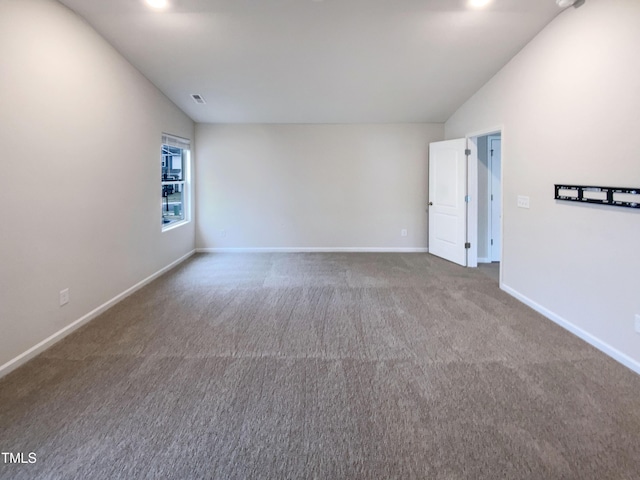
(199, 99)
(158, 4)
(568, 3)
(479, 3)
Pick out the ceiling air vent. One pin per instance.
(198, 99)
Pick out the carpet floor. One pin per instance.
(321, 366)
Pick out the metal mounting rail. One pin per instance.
(598, 195)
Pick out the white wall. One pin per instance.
(569, 105)
(309, 186)
(80, 133)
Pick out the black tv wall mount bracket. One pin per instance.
(613, 196)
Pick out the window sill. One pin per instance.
(175, 225)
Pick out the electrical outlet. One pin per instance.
(403, 232)
(637, 323)
(523, 202)
(64, 296)
(223, 233)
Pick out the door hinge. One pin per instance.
(467, 198)
(492, 197)
(467, 245)
(467, 152)
(492, 241)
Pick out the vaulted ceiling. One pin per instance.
(311, 61)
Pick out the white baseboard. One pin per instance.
(60, 334)
(312, 249)
(484, 260)
(587, 337)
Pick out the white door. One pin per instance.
(447, 207)
(496, 205)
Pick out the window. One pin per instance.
(174, 179)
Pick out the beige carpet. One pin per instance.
(492, 270)
(327, 366)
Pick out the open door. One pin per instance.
(447, 206)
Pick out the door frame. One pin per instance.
(472, 191)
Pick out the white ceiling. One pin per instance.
(309, 61)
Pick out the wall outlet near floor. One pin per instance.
(403, 232)
(64, 296)
(637, 323)
(223, 233)
(523, 202)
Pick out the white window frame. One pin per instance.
(185, 145)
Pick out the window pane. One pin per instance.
(172, 163)
(172, 203)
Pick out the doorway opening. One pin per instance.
(489, 198)
(465, 201)
(485, 185)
